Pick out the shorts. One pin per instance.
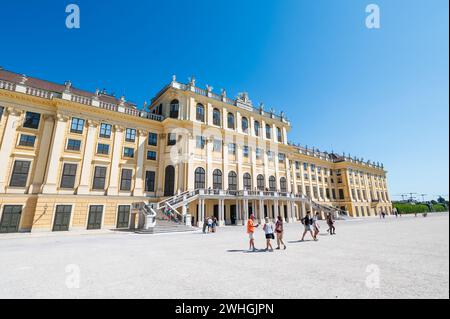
(251, 236)
(270, 236)
(307, 227)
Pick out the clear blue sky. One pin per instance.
(378, 94)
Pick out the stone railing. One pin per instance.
(7, 85)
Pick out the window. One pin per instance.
(327, 193)
(77, 126)
(353, 194)
(27, 140)
(321, 192)
(199, 178)
(174, 109)
(217, 146)
(281, 158)
(172, 139)
(272, 183)
(270, 155)
(247, 181)
(152, 139)
(333, 192)
(297, 165)
(358, 193)
(200, 113)
(150, 181)
(125, 179)
(216, 117)
(19, 175)
(68, 175)
(232, 149)
(258, 153)
(341, 193)
(123, 216)
(102, 149)
(105, 130)
(2, 109)
(315, 193)
(217, 179)
(260, 182)
(268, 131)
(230, 121)
(279, 135)
(257, 128)
(244, 125)
(200, 142)
(308, 191)
(62, 217)
(128, 152)
(246, 151)
(151, 155)
(99, 177)
(283, 186)
(305, 166)
(32, 120)
(130, 135)
(232, 181)
(73, 145)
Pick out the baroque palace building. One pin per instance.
(73, 159)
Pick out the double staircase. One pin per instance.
(164, 217)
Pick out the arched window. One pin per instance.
(232, 181)
(230, 120)
(260, 182)
(283, 187)
(268, 132)
(217, 179)
(247, 181)
(200, 113)
(216, 117)
(272, 183)
(244, 125)
(199, 178)
(174, 109)
(279, 135)
(257, 128)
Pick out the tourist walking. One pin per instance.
(279, 231)
(205, 225)
(210, 224)
(214, 224)
(251, 232)
(307, 222)
(330, 222)
(269, 231)
(315, 225)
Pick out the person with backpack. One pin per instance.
(279, 231)
(307, 222)
(268, 230)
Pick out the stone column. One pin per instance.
(51, 181)
(139, 185)
(113, 187)
(86, 171)
(44, 146)
(209, 167)
(261, 211)
(225, 165)
(221, 210)
(275, 208)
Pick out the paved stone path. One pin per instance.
(406, 257)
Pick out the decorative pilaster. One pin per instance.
(113, 188)
(44, 147)
(86, 170)
(12, 122)
(139, 184)
(50, 186)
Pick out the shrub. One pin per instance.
(439, 208)
(411, 209)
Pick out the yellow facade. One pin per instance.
(88, 156)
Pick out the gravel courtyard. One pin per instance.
(406, 257)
